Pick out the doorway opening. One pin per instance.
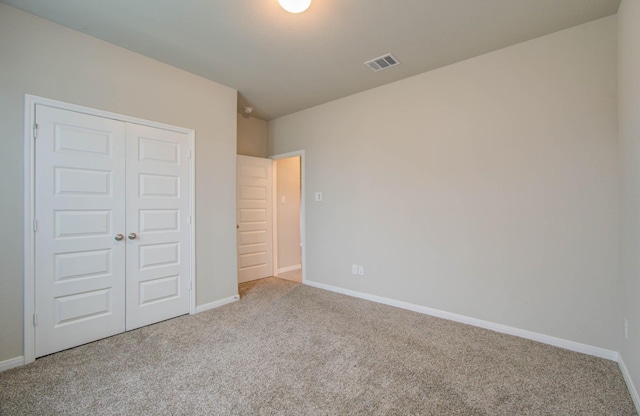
(270, 217)
(288, 216)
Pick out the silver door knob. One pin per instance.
(119, 237)
(132, 236)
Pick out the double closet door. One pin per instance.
(112, 239)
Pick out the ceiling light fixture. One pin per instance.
(295, 6)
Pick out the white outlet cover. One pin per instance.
(354, 269)
(318, 196)
(361, 270)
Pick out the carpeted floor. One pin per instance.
(289, 349)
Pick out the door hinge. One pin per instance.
(35, 319)
(190, 285)
(189, 219)
(35, 225)
(35, 130)
(190, 153)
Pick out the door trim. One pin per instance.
(274, 216)
(303, 187)
(30, 102)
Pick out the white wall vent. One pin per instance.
(382, 62)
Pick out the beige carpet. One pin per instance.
(288, 349)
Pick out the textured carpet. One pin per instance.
(288, 349)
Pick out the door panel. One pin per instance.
(80, 205)
(254, 206)
(158, 213)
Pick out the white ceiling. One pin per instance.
(281, 62)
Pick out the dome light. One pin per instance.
(295, 6)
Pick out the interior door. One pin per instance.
(158, 257)
(254, 206)
(80, 217)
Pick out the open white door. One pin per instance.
(254, 207)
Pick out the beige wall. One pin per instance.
(629, 131)
(41, 58)
(252, 137)
(488, 188)
(288, 186)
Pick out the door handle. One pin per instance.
(132, 236)
(119, 237)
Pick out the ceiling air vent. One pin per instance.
(382, 62)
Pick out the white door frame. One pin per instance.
(30, 131)
(303, 239)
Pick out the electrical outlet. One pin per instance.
(361, 270)
(354, 269)
(626, 328)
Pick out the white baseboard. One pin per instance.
(290, 268)
(217, 304)
(11, 363)
(545, 339)
(632, 389)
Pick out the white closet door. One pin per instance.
(80, 210)
(157, 225)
